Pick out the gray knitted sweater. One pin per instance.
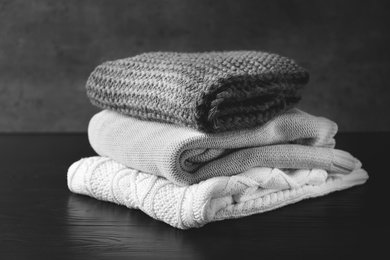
(211, 92)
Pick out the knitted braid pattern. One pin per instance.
(211, 91)
(257, 190)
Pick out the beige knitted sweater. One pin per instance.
(186, 156)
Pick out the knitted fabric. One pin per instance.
(211, 92)
(254, 191)
(186, 156)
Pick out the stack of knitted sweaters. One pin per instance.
(192, 138)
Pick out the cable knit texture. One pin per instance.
(186, 156)
(254, 191)
(211, 92)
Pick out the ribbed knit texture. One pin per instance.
(254, 191)
(186, 156)
(211, 92)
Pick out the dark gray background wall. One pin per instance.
(48, 48)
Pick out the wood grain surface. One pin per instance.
(41, 219)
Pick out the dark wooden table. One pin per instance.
(40, 218)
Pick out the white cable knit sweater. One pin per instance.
(186, 156)
(254, 191)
